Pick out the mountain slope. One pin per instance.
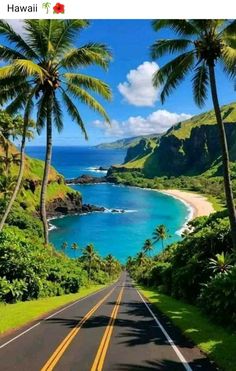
(126, 142)
(191, 147)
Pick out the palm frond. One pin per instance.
(21, 67)
(29, 68)
(87, 55)
(160, 47)
(171, 74)
(14, 38)
(180, 26)
(87, 99)
(91, 83)
(10, 54)
(72, 110)
(42, 112)
(69, 28)
(57, 114)
(39, 32)
(228, 57)
(17, 104)
(200, 83)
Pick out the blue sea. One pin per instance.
(121, 234)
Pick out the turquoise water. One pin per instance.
(121, 234)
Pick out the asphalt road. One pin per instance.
(114, 329)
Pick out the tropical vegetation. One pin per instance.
(44, 70)
(200, 269)
(201, 44)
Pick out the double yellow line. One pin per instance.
(102, 350)
(60, 350)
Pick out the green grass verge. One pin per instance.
(218, 343)
(13, 316)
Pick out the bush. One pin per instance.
(218, 297)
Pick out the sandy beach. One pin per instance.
(199, 204)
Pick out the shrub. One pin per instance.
(218, 297)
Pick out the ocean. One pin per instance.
(121, 234)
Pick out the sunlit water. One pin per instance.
(121, 234)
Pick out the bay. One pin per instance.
(121, 234)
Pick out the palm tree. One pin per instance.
(147, 247)
(160, 234)
(110, 262)
(74, 247)
(89, 255)
(141, 258)
(21, 128)
(202, 44)
(43, 63)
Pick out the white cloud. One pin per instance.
(138, 89)
(157, 122)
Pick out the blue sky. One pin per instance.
(135, 108)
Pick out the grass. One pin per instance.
(218, 343)
(13, 316)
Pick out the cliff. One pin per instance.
(61, 199)
(190, 148)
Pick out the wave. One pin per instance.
(96, 170)
(189, 217)
(119, 211)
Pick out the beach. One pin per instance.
(199, 204)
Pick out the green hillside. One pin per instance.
(192, 147)
(126, 142)
(28, 197)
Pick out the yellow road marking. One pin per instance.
(55, 357)
(102, 350)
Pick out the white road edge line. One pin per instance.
(52, 315)
(165, 333)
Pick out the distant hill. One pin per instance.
(126, 142)
(191, 147)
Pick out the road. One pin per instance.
(113, 329)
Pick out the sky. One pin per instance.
(135, 108)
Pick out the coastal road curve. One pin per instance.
(113, 329)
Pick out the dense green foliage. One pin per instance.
(212, 187)
(192, 269)
(30, 270)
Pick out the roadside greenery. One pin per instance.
(15, 315)
(200, 269)
(214, 340)
(29, 270)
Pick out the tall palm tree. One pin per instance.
(110, 262)
(21, 128)
(160, 234)
(141, 258)
(147, 247)
(89, 255)
(48, 62)
(201, 45)
(74, 247)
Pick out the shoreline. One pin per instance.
(198, 203)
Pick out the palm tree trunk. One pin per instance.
(19, 178)
(89, 272)
(225, 157)
(48, 157)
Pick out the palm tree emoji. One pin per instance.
(46, 6)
